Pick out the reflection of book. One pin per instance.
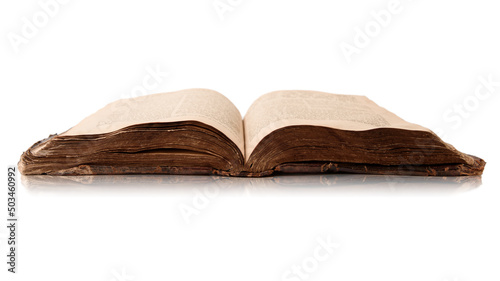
(322, 183)
(199, 131)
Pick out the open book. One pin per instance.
(199, 131)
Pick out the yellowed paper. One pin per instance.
(207, 106)
(280, 109)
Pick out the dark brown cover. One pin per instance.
(288, 168)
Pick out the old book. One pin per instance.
(199, 131)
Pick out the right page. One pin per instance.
(280, 109)
(309, 131)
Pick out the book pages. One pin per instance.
(206, 106)
(280, 109)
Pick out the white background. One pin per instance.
(424, 64)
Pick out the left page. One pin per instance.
(203, 105)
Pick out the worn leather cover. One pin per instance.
(413, 170)
(288, 168)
